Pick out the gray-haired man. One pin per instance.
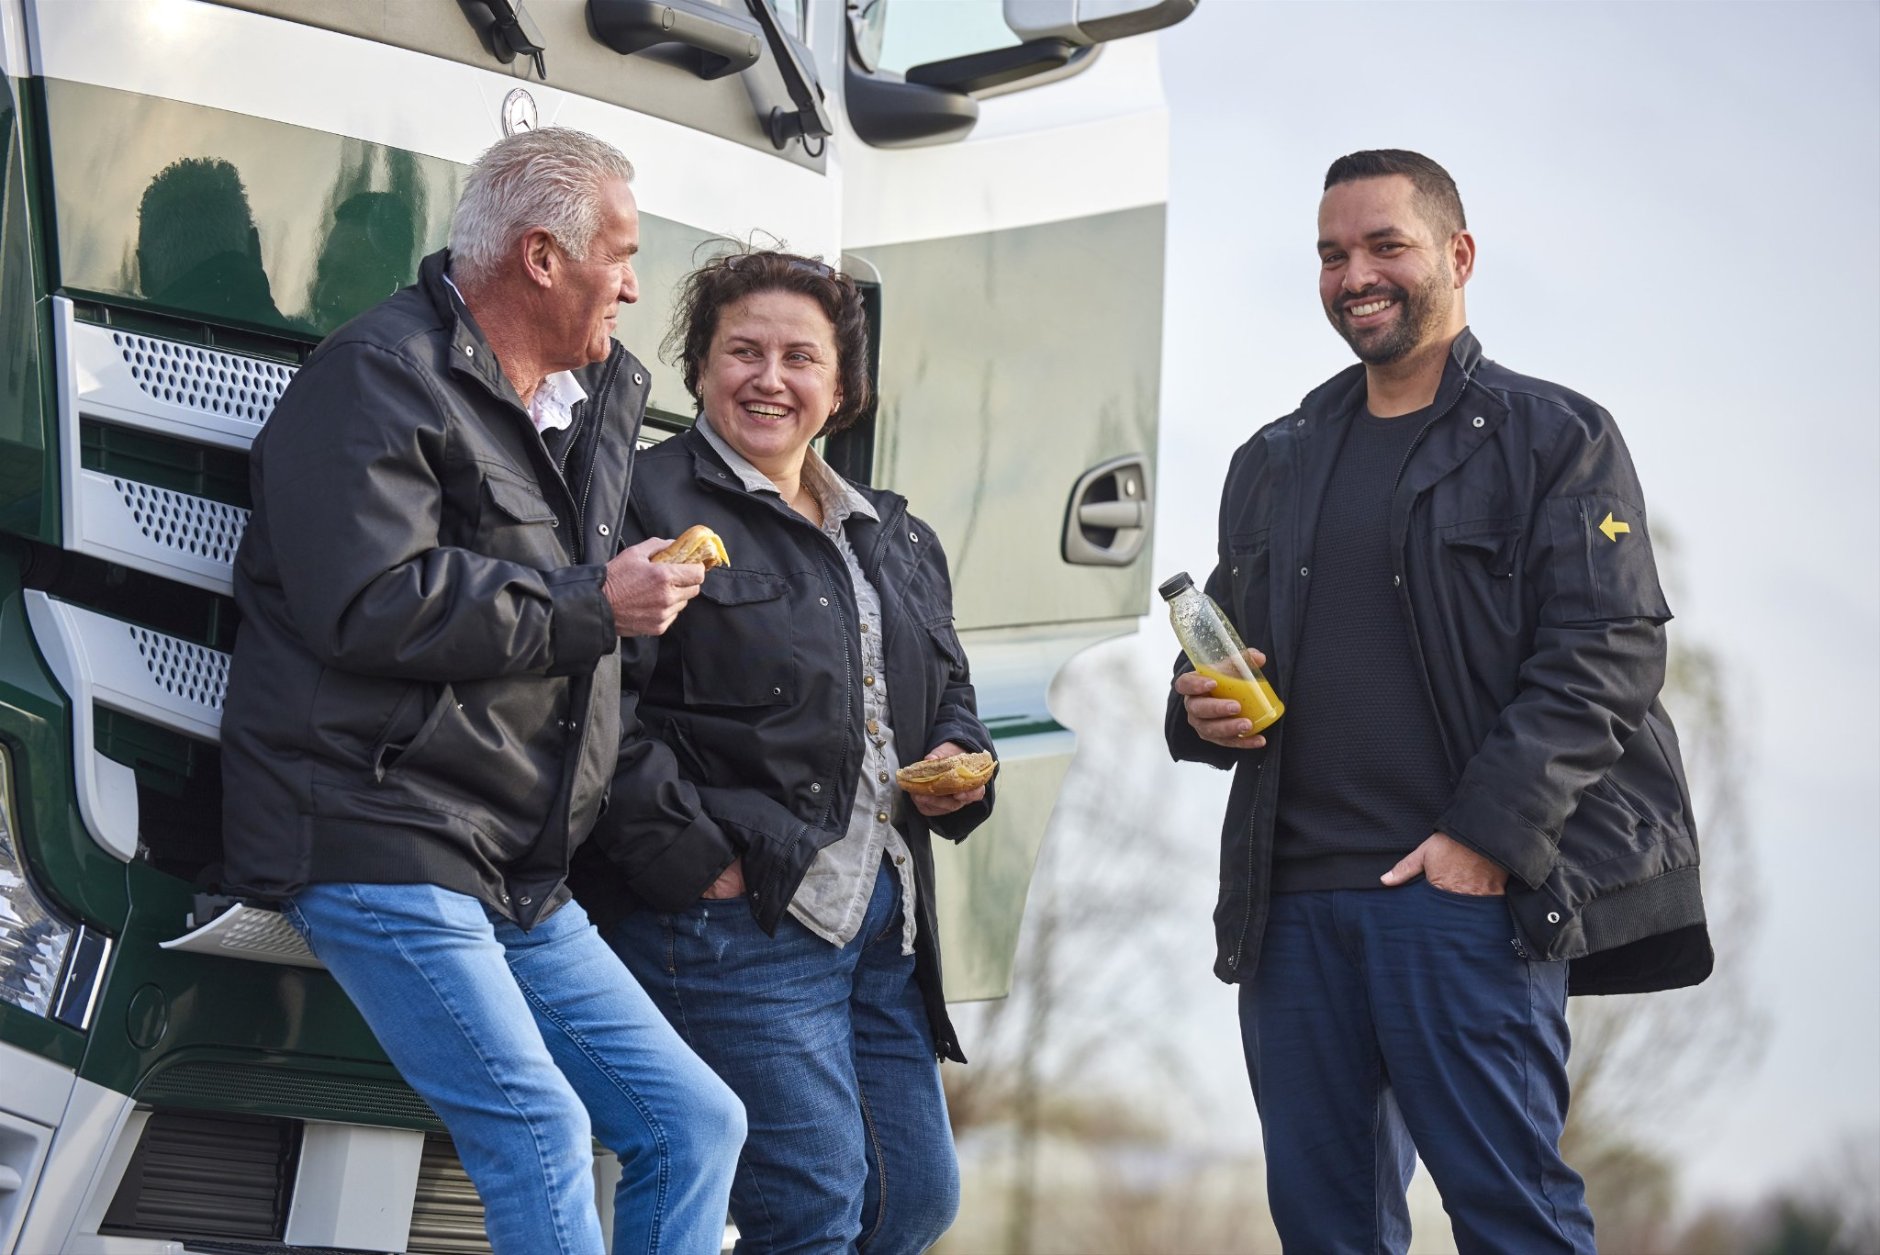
(422, 716)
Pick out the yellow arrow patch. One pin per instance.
(1613, 528)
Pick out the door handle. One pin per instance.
(1109, 513)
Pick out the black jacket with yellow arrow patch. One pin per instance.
(1523, 562)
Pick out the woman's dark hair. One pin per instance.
(730, 277)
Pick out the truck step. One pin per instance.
(248, 932)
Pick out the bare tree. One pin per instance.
(1081, 1054)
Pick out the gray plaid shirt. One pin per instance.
(835, 890)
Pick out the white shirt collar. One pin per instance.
(552, 406)
(834, 493)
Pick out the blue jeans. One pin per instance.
(528, 1045)
(1383, 1023)
(830, 1049)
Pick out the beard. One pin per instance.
(1423, 314)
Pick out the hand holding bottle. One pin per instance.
(1227, 696)
(1216, 718)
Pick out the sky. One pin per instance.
(1677, 212)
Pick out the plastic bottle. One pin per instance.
(1216, 650)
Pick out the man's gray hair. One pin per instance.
(551, 178)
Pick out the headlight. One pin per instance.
(33, 941)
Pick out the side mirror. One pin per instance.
(724, 42)
(1092, 21)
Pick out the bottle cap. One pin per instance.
(1172, 587)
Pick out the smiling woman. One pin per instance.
(771, 382)
(758, 868)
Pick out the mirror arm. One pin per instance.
(807, 121)
(982, 71)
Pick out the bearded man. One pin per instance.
(1474, 804)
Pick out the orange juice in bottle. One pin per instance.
(1216, 651)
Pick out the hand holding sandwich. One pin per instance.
(646, 595)
(649, 584)
(931, 790)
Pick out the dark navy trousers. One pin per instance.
(1386, 1023)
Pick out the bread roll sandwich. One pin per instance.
(697, 543)
(942, 777)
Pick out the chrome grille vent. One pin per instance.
(183, 669)
(244, 388)
(197, 526)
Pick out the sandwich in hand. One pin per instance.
(697, 543)
(943, 777)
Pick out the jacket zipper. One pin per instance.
(1246, 916)
(595, 404)
(1403, 593)
(1260, 786)
(848, 671)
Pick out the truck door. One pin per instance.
(1019, 257)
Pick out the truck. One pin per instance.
(193, 192)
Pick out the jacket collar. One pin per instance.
(470, 353)
(711, 468)
(867, 531)
(1339, 397)
(835, 493)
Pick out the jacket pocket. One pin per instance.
(1249, 559)
(946, 642)
(1478, 573)
(518, 524)
(1487, 544)
(1600, 564)
(394, 749)
(737, 641)
(1605, 844)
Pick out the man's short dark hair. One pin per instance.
(1437, 198)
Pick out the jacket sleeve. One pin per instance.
(956, 718)
(349, 479)
(1597, 663)
(1184, 743)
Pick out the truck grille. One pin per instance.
(195, 1174)
(447, 1217)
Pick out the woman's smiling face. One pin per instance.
(771, 378)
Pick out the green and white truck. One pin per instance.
(192, 193)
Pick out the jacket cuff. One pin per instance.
(960, 824)
(969, 734)
(1498, 833)
(1186, 745)
(581, 623)
(685, 869)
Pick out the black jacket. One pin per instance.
(424, 686)
(742, 725)
(1524, 565)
